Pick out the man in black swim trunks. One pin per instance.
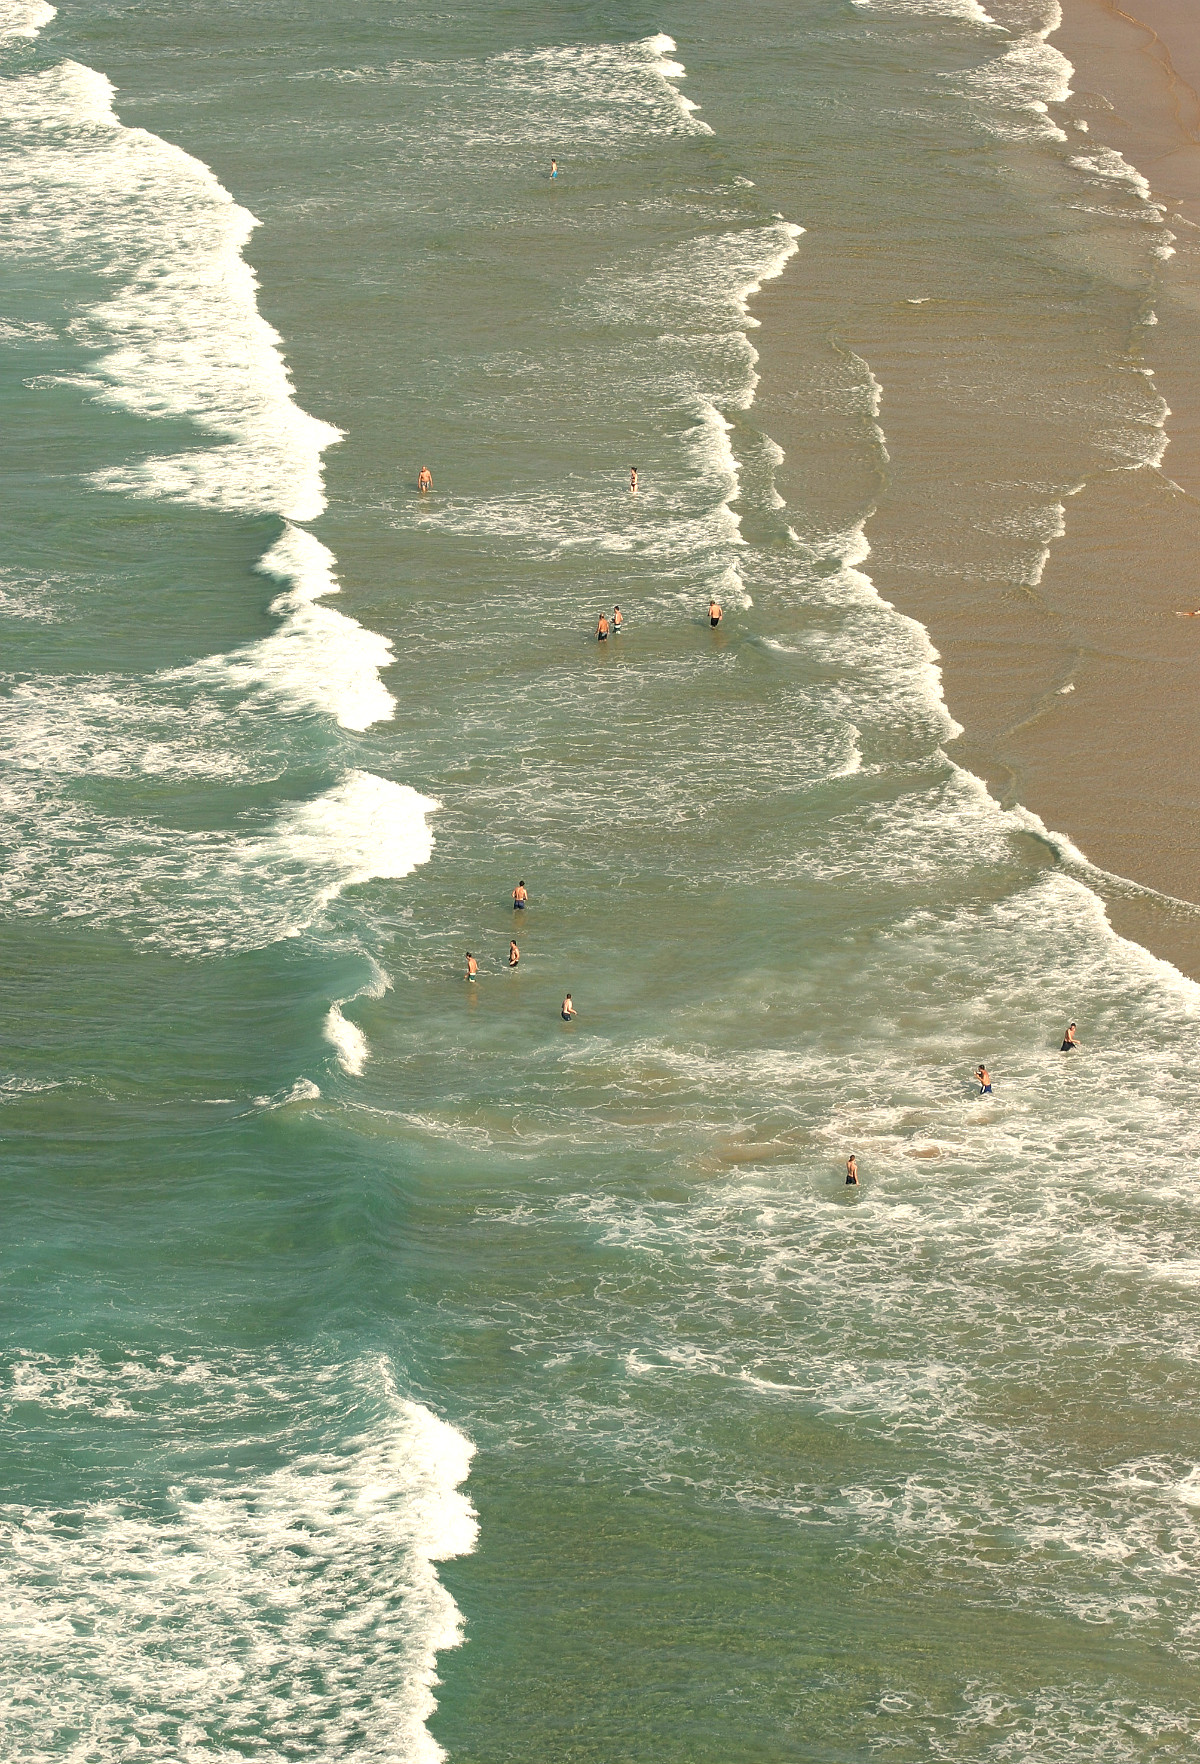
(602, 629)
(568, 1009)
(852, 1171)
(1069, 1041)
(715, 614)
(520, 897)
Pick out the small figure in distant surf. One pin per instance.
(602, 629)
(568, 1009)
(852, 1171)
(472, 967)
(514, 954)
(633, 479)
(985, 1082)
(617, 621)
(424, 480)
(1069, 1040)
(520, 898)
(553, 170)
(716, 613)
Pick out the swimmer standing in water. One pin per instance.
(568, 1009)
(633, 479)
(715, 614)
(520, 898)
(514, 954)
(553, 169)
(424, 480)
(985, 1082)
(1069, 1041)
(852, 1171)
(472, 967)
(617, 621)
(602, 629)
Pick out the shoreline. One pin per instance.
(1078, 689)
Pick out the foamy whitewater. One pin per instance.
(395, 1367)
(182, 336)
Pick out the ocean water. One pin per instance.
(393, 1371)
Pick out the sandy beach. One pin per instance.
(1078, 691)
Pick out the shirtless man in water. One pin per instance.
(715, 613)
(472, 967)
(568, 1009)
(985, 1080)
(1069, 1041)
(617, 621)
(852, 1171)
(514, 954)
(520, 898)
(602, 629)
(424, 480)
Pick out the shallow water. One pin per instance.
(356, 1313)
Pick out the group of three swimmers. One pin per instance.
(984, 1078)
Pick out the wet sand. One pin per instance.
(1079, 695)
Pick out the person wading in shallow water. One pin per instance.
(985, 1081)
(602, 629)
(472, 967)
(617, 621)
(568, 1009)
(1069, 1041)
(633, 479)
(424, 480)
(715, 613)
(852, 1171)
(514, 954)
(520, 898)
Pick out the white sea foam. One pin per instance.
(964, 11)
(318, 658)
(24, 18)
(207, 891)
(1027, 77)
(347, 1040)
(662, 50)
(1111, 167)
(181, 335)
(364, 828)
(166, 1617)
(25, 331)
(586, 99)
(100, 726)
(303, 1090)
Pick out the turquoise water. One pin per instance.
(393, 1369)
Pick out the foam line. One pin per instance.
(661, 51)
(963, 11)
(318, 659)
(317, 1572)
(24, 18)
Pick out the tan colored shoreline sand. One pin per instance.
(1081, 698)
